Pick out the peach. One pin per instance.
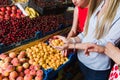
(21, 74)
(40, 72)
(31, 61)
(19, 68)
(28, 77)
(1, 70)
(39, 78)
(22, 53)
(3, 56)
(4, 65)
(12, 54)
(37, 67)
(31, 67)
(5, 78)
(27, 71)
(8, 59)
(20, 78)
(15, 62)
(25, 65)
(0, 76)
(23, 60)
(10, 68)
(1, 62)
(32, 72)
(5, 73)
(13, 74)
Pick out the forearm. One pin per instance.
(114, 56)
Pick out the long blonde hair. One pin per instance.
(108, 16)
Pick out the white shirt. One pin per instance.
(98, 61)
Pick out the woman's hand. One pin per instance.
(91, 47)
(65, 41)
(72, 33)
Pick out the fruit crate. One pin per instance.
(4, 48)
(50, 73)
(55, 9)
(13, 62)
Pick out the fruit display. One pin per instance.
(16, 30)
(7, 12)
(45, 56)
(16, 66)
(31, 12)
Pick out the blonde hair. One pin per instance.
(107, 17)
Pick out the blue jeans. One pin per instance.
(90, 74)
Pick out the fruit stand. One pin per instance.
(25, 29)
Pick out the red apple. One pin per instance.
(2, 9)
(6, 17)
(8, 8)
(2, 13)
(19, 11)
(14, 7)
(18, 16)
(12, 15)
(1, 17)
(8, 12)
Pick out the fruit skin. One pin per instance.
(2, 9)
(13, 74)
(25, 65)
(19, 68)
(12, 54)
(19, 78)
(28, 77)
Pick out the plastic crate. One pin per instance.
(56, 9)
(50, 73)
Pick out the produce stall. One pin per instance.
(25, 28)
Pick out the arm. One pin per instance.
(73, 30)
(113, 52)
